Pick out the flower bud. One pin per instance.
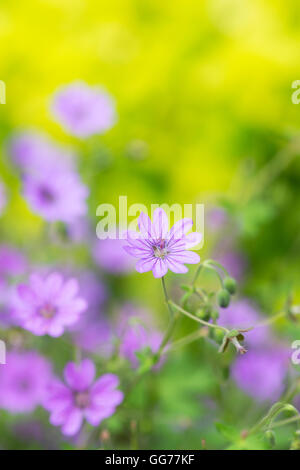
(214, 314)
(230, 285)
(270, 437)
(218, 335)
(203, 313)
(223, 298)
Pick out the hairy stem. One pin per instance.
(199, 320)
(172, 321)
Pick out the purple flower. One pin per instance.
(81, 398)
(234, 262)
(23, 381)
(84, 110)
(261, 373)
(160, 249)
(56, 195)
(129, 314)
(135, 330)
(2, 197)
(47, 305)
(216, 218)
(92, 289)
(12, 262)
(241, 314)
(110, 255)
(35, 153)
(135, 338)
(94, 334)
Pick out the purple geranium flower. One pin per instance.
(261, 373)
(110, 255)
(84, 110)
(12, 261)
(135, 330)
(94, 334)
(2, 197)
(135, 338)
(242, 314)
(56, 195)
(81, 398)
(35, 153)
(47, 305)
(160, 249)
(23, 381)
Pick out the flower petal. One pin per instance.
(176, 267)
(105, 383)
(160, 268)
(160, 224)
(189, 257)
(145, 225)
(26, 294)
(73, 423)
(180, 228)
(136, 252)
(145, 264)
(193, 239)
(80, 376)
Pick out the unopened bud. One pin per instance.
(214, 314)
(270, 437)
(223, 298)
(230, 285)
(218, 335)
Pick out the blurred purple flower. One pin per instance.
(135, 338)
(216, 218)
(12, 261)
(35, 153)
(160, 249)
(128, 314)
(47, 305)
(92, 289)
(56, 195)
(93, 332)
(94, 335)
(81, 398)
(241, 314)
(110, 255)
(261, 373)
(2, 197)
(234, 262)
(84, 110)
(23, 381)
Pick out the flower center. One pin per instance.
(46, 194)
(82, 399)
(160, 249)
(47, 311)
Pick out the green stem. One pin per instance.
(172, 322)
(197, 274)
(271, 320)
(199, 320)
(186, 340)
(284, 422)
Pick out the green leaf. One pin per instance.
(229, 432)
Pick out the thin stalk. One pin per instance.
(172, 321)
(283, 422)
(199, 320)
(271, 320)
(186, 340)
(197, 275)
